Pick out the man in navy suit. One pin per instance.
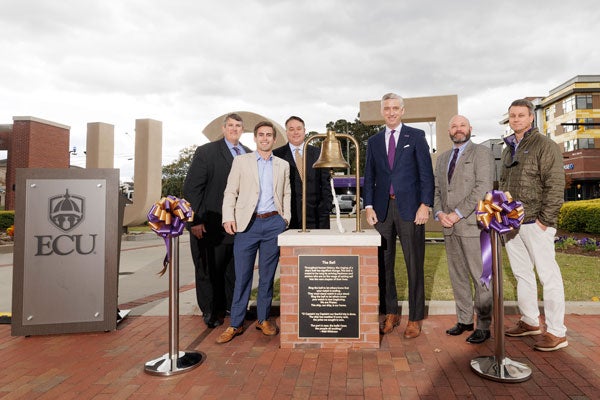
(398, 191)
(318, 189)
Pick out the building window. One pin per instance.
(548, 114)
(584, 102)
(569, 104)
(569, 126)
(587, 143)
(586, 123)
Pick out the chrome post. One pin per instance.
(175, 361)
(498, 367)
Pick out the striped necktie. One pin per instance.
(452, 165)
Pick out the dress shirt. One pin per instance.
(266, 202)
(388, 132)
(231, 146)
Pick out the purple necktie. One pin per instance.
(452, 165)
(391, 149)
(391, 154)
(237, 150)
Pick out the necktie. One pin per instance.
(452, 165)
(391, 154)
(299, 163)
(237, 150)
(391, 149)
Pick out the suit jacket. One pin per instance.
(318, 189)
(243, 188)
(411, 175)
(472, 178)
(204, 185)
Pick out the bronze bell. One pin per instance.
(331, 153)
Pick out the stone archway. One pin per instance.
(213, 132)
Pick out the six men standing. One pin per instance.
(263, 197)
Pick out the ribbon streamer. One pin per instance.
(167, 218)
(497, 211)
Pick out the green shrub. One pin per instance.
(7, 218)
(580, 216)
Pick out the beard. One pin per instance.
(460, 140)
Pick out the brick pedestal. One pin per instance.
(329, 242)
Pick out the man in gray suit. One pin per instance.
(463, 175)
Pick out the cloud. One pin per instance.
(186, 62)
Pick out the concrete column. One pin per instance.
(147, 170)
(100, 145)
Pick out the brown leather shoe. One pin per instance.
(550, 342)
(229, 334)
(413, 329)
(391, 321)
(523, 329)
(267, 327)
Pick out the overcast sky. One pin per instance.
(187, 62)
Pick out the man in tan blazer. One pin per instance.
(462, 177)
(256, 209)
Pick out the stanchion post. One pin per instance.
(498, 367)
(175, 361)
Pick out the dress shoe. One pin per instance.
(550, 342)
(459, 328)
(391, 321)
(479, 336)
(229, 334)
(413, 329)
(267, 327)
(211, 322)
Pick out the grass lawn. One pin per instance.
(581, 276)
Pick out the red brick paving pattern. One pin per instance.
(432, 366)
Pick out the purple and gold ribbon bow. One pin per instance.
(167, 218)
(497, 211)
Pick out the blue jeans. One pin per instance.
(261, 236)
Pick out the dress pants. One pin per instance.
(465, 265)
(261, 235)
(528, 247)
(215, 276)
(412, 239)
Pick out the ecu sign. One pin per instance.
(66, 251)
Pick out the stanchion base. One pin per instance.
(506, 371)
(186, 361)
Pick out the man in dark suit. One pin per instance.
(398, 192)
(211, 246)
(318, 189)
(463, 175)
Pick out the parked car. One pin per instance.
(346, 202)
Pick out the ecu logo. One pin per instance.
(66, 211)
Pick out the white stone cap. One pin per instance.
(326, 237)
(41, 121)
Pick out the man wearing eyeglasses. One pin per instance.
(533, 174)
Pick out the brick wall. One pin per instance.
(368, 302)
(34, 143)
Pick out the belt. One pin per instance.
(393, 196)
(265, 215)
